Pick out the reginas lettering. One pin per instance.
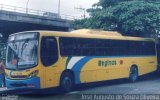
(107, 63)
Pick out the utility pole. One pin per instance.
(82, 9)
(59, 7)
(27, 7)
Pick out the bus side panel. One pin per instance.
(105, 68)
(90, 69)
(147, 65)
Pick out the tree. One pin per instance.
(129, 17)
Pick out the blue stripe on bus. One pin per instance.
(79, 65)
(77, 68)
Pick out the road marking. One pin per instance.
(74, 92)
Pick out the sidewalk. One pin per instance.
(4, 90)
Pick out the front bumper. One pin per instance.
(32, 83)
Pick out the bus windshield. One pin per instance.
(22, 53)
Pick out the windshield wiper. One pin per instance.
(22, 48)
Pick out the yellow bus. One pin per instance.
(47, 59)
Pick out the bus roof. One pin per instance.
(99, 32)
(89, 33)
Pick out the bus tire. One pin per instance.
(66, 82)
(133, 75)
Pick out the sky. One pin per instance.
(68, 7)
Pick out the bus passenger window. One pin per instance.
(49, 51)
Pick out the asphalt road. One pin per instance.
(147, 87)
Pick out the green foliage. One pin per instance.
(130, 17)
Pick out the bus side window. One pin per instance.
(49, 51)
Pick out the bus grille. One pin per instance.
(19, 77)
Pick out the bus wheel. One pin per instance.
(66, 83)
(133, 76)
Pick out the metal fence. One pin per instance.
(36, 12)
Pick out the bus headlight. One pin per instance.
(33, 74)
